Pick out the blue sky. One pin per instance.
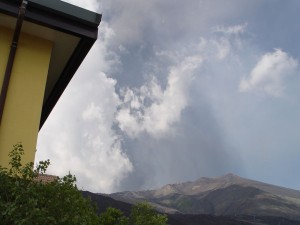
(177, 90)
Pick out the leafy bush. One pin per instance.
(113, 216)
(26, 200)
(141, 214)
(144, 214)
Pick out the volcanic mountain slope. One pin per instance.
(226, 195)
(103, 202)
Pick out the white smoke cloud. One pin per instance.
(153, 110)
(269, 73)
(86, 144)
(106, 161)
(227, 39)
(231, 30)
(78, 135)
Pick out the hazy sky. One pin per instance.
(176, 90)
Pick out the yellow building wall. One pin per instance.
(22, 110)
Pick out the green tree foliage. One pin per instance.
(144, 214)
(113, 216)
(141, 214)
(26, 200)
